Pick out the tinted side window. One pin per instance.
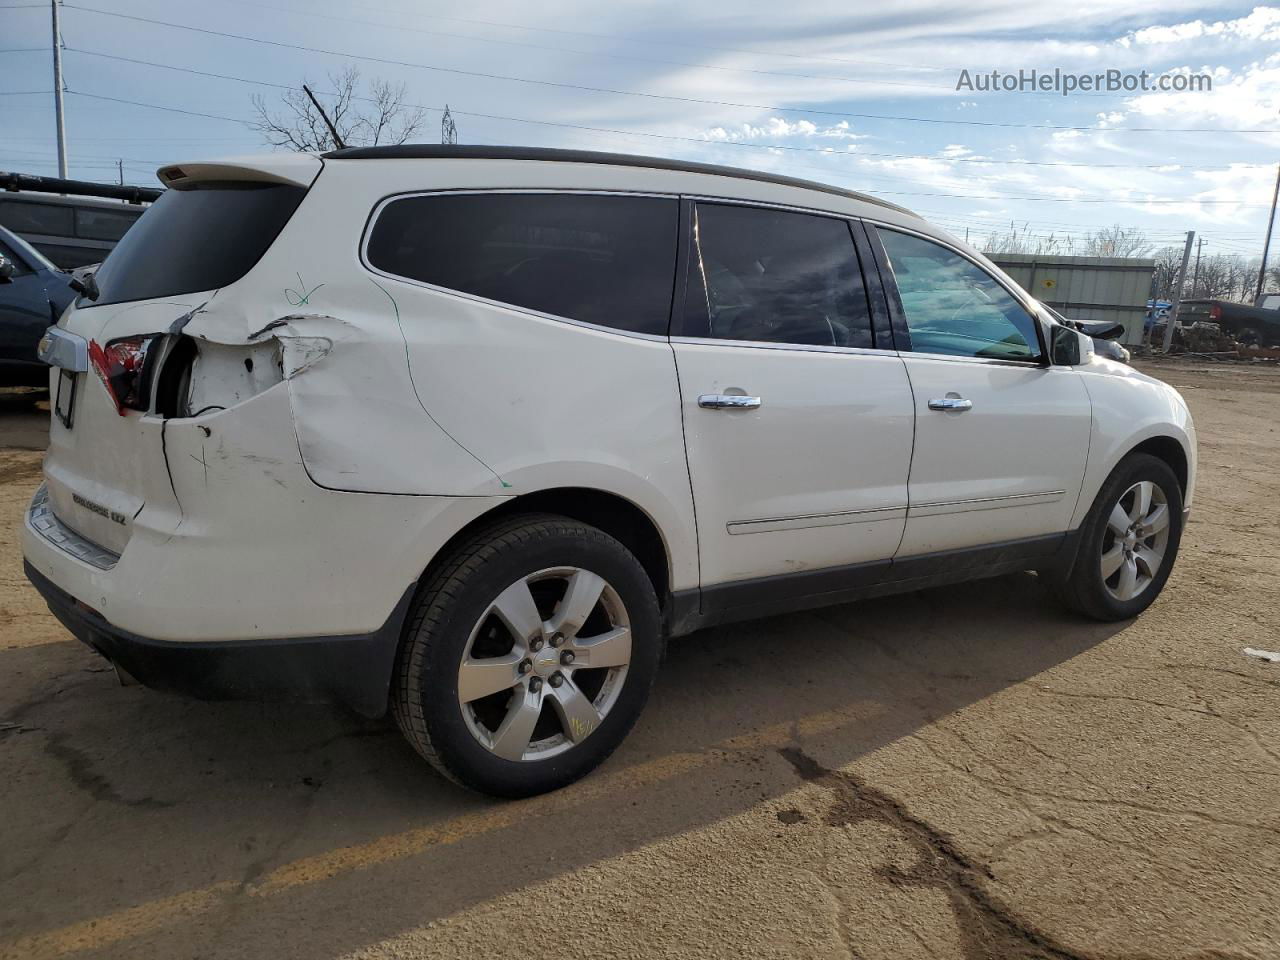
(775, 276)
(94, 223)
(197, 238)
(608, 260)
(39, 218)
(954, 307)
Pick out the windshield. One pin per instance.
(196, 238)
(35, 259)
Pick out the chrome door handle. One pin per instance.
(950, 403)
(727, 401)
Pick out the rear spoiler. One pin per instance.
(13, 182)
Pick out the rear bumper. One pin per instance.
(353, 670)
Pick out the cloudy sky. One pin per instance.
(858, 94)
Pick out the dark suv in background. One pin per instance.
(33, 294)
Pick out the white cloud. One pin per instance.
(1263, 24)
(777, 128)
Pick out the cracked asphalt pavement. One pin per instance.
(959, 773)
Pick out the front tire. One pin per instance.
(1128, 542)
(528, 656)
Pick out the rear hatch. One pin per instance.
(106, 447)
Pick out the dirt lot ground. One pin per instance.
(962, 773)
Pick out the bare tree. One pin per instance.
(1116, 241)
(365, 120)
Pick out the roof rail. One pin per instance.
(431, 151)
(14, 182)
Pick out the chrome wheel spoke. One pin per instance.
(511, 739)
(1156, 520)
(1111, 560)
(612, 649)
(1118, 521)
(580, 599)
(516, 609)
(1141, 500)
(577, 714)
(1127, 588)
(1148, 561)
(486, 676)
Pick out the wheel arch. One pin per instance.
(616, 515)
(1170, 450)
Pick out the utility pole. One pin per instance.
(1266, 244)
(120, 168)
(1177, 292)
(57, 94)
(1195, 277)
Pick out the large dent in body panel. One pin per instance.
(359, 422)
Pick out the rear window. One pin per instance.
(608, 260)
(197, 238)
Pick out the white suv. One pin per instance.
(467, 432)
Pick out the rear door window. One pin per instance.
(601, 259)
(196, 238)
(775, 276)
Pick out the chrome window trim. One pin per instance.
(770, 345)
(770, 205)
(475, 298)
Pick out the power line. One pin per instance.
(400, 27)
(656, 96)
(960, 196)
(662, 136)
(659, 43)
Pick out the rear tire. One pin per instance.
(497, 683)
(1128, 542)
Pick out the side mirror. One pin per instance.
(1064, 346)
(6, 270)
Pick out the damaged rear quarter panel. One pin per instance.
(252, 521)
(359, 421)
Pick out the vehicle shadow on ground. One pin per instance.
(123, 795)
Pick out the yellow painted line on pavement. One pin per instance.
(111, 928)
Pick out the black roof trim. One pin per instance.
(431, 151)
(15, 182)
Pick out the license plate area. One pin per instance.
(64, 400)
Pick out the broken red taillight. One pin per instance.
(120, 366)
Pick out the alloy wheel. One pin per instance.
(544, 664)
(1135, 541)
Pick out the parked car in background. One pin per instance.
(467, 433)
(33, 294)
(1250, 325)
(71, 222)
